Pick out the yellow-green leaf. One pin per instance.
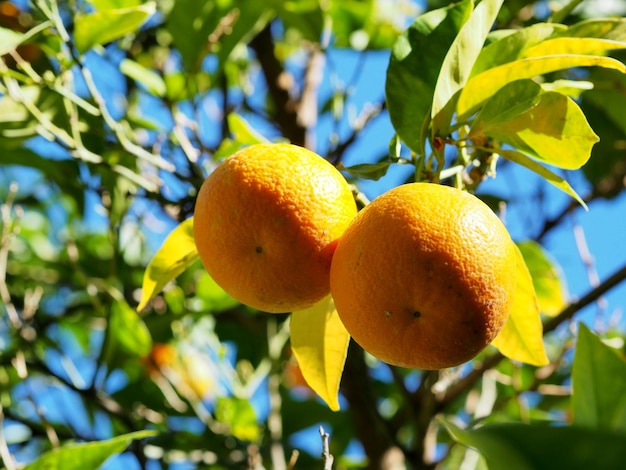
(463, 52)
(482, 86)
(101, 27)
(75, 456)
(564, 45)
(547, 278)
(320, 344)
(176, 255)
(521, 339)
(545, 124)
(542, 171)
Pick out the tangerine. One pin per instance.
(266, 224)
(424, 276)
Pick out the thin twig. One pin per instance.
(326, 455)
(9, 230)
(5, 453)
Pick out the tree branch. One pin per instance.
(370, 428)
(286, 107)
(593, 295)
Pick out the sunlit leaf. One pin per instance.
(551, 177)
(200, 28)
(319, 342)
(571, 88)
(368, 171)
(518, 446)
(547, 278)
(607, 28)
(521, 339)
(545, 124)
(9, 40)
(482, 86)
(176, 254)
(599, 384)
(87, 455)
(127, 333)
(101, 27)
(566, 45)
(238, 414)
(414, 66)
(461, 56)
(151, 80)
(114, 4)
(243, 132)
(512, 46)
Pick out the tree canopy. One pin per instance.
(117, 349)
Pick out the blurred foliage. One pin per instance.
(111, 114)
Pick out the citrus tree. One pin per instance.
(119, 350)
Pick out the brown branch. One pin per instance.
(593, 295)
(286, 107)
(370, 428)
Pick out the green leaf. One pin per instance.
(572, 88)
(114, 4)
(416, 59)
(461, 56)
(512, 46)
(243, 132)
(545, 124)
(511, 101)
(238, 414)
(88, 455)
(151, 80)
(551, 177)
(517, 446)
(102, 27)
(368, 171)
(127, 333)
(567, 45)
(599, 384)
(319, 342)
(607, 28)
(198, 28)
(176, 254)
(482, 86)
(9, 40)
(215, 299)
(547, 277)
(521, 339)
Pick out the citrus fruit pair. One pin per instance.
(422, 277)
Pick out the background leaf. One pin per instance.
(88, 455)
(517, 446)
(176, 254)
(105, 26)
(319, 342)
(599, 384)
(521, 339)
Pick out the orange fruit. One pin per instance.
(266, 225)
(424, 276)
